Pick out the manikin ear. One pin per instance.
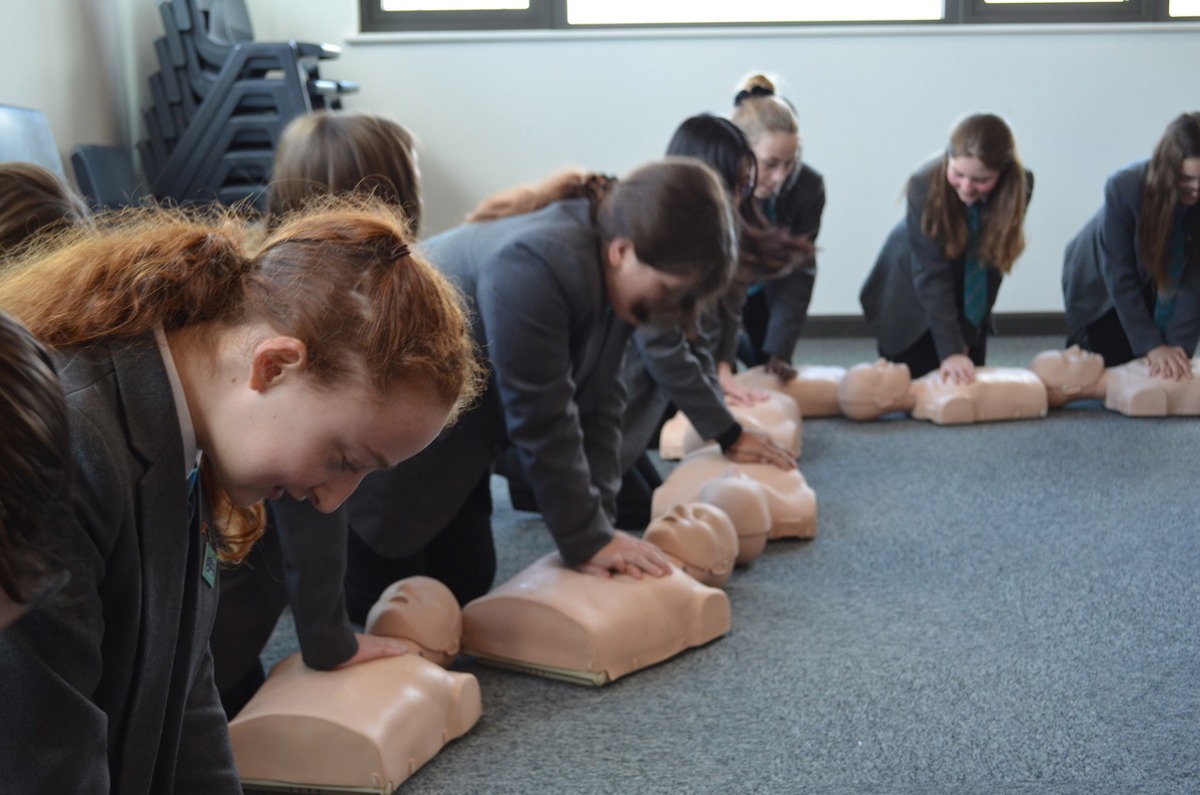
(276, 359)
(619, 249)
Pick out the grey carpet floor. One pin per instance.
(1000, 608)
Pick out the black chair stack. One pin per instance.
(220, 101)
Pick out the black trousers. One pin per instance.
(1106, 337)
(756, 315)
(922, 356)
(462, 556)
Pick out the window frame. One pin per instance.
(551, 15)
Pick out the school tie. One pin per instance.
(975, 285)
(1164, 301)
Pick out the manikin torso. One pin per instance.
(367, 727)
(814, 388)
(1075, 374)
(777, 417)
(555, 621)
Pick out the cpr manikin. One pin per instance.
(869, 391)
(1075, 374)
(791, 504)
(778, 416)
(554, 621)
(368, 727)
(699, 538)
(814, 388)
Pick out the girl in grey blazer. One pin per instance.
(178, 341)
(790, 196)
(666, 366)
(929, 297)
(554, 290)
(1131, 283)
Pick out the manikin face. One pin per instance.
(777, 153)
(637, 291)
(1189, 181)
(1070, 369)
(970, 178)
(282, 433)
(420, 609)
(894, 381)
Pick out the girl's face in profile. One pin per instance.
(288, 435)
(970, 178)
(778, 154)
(638, 292)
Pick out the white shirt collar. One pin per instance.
(186, 429)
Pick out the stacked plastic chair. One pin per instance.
(220, 101)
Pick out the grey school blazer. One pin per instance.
(913, 288)
(110, 689)
(1103, 268)
(540, 313)
(661, 366)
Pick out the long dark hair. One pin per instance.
(674, 210)
(1160, 193)
(764, 250)
(34, 465)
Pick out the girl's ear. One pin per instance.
(619, 249)
(276, 359)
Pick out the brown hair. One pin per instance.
(342, 152)
(337, 275)
(1160, 194)
(33, 200)
(674, 210)
(759, 111)
(986, 137)
(34, 456)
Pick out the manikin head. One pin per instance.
(744, 500)
(868, 391)
(421, 610)
(700, 538)
(1070, 371)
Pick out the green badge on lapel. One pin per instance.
(210, 562)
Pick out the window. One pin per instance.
(414, 15)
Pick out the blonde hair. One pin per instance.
(759, 111)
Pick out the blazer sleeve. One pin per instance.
(527, 314)
(1119, 262)
(936, 279)
(687, 376)
(313, 546)
(205, 764)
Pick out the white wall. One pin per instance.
(83, 63)
(494, 111)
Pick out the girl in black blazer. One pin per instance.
(296, 365)
(1131, 285)
(929, 297)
